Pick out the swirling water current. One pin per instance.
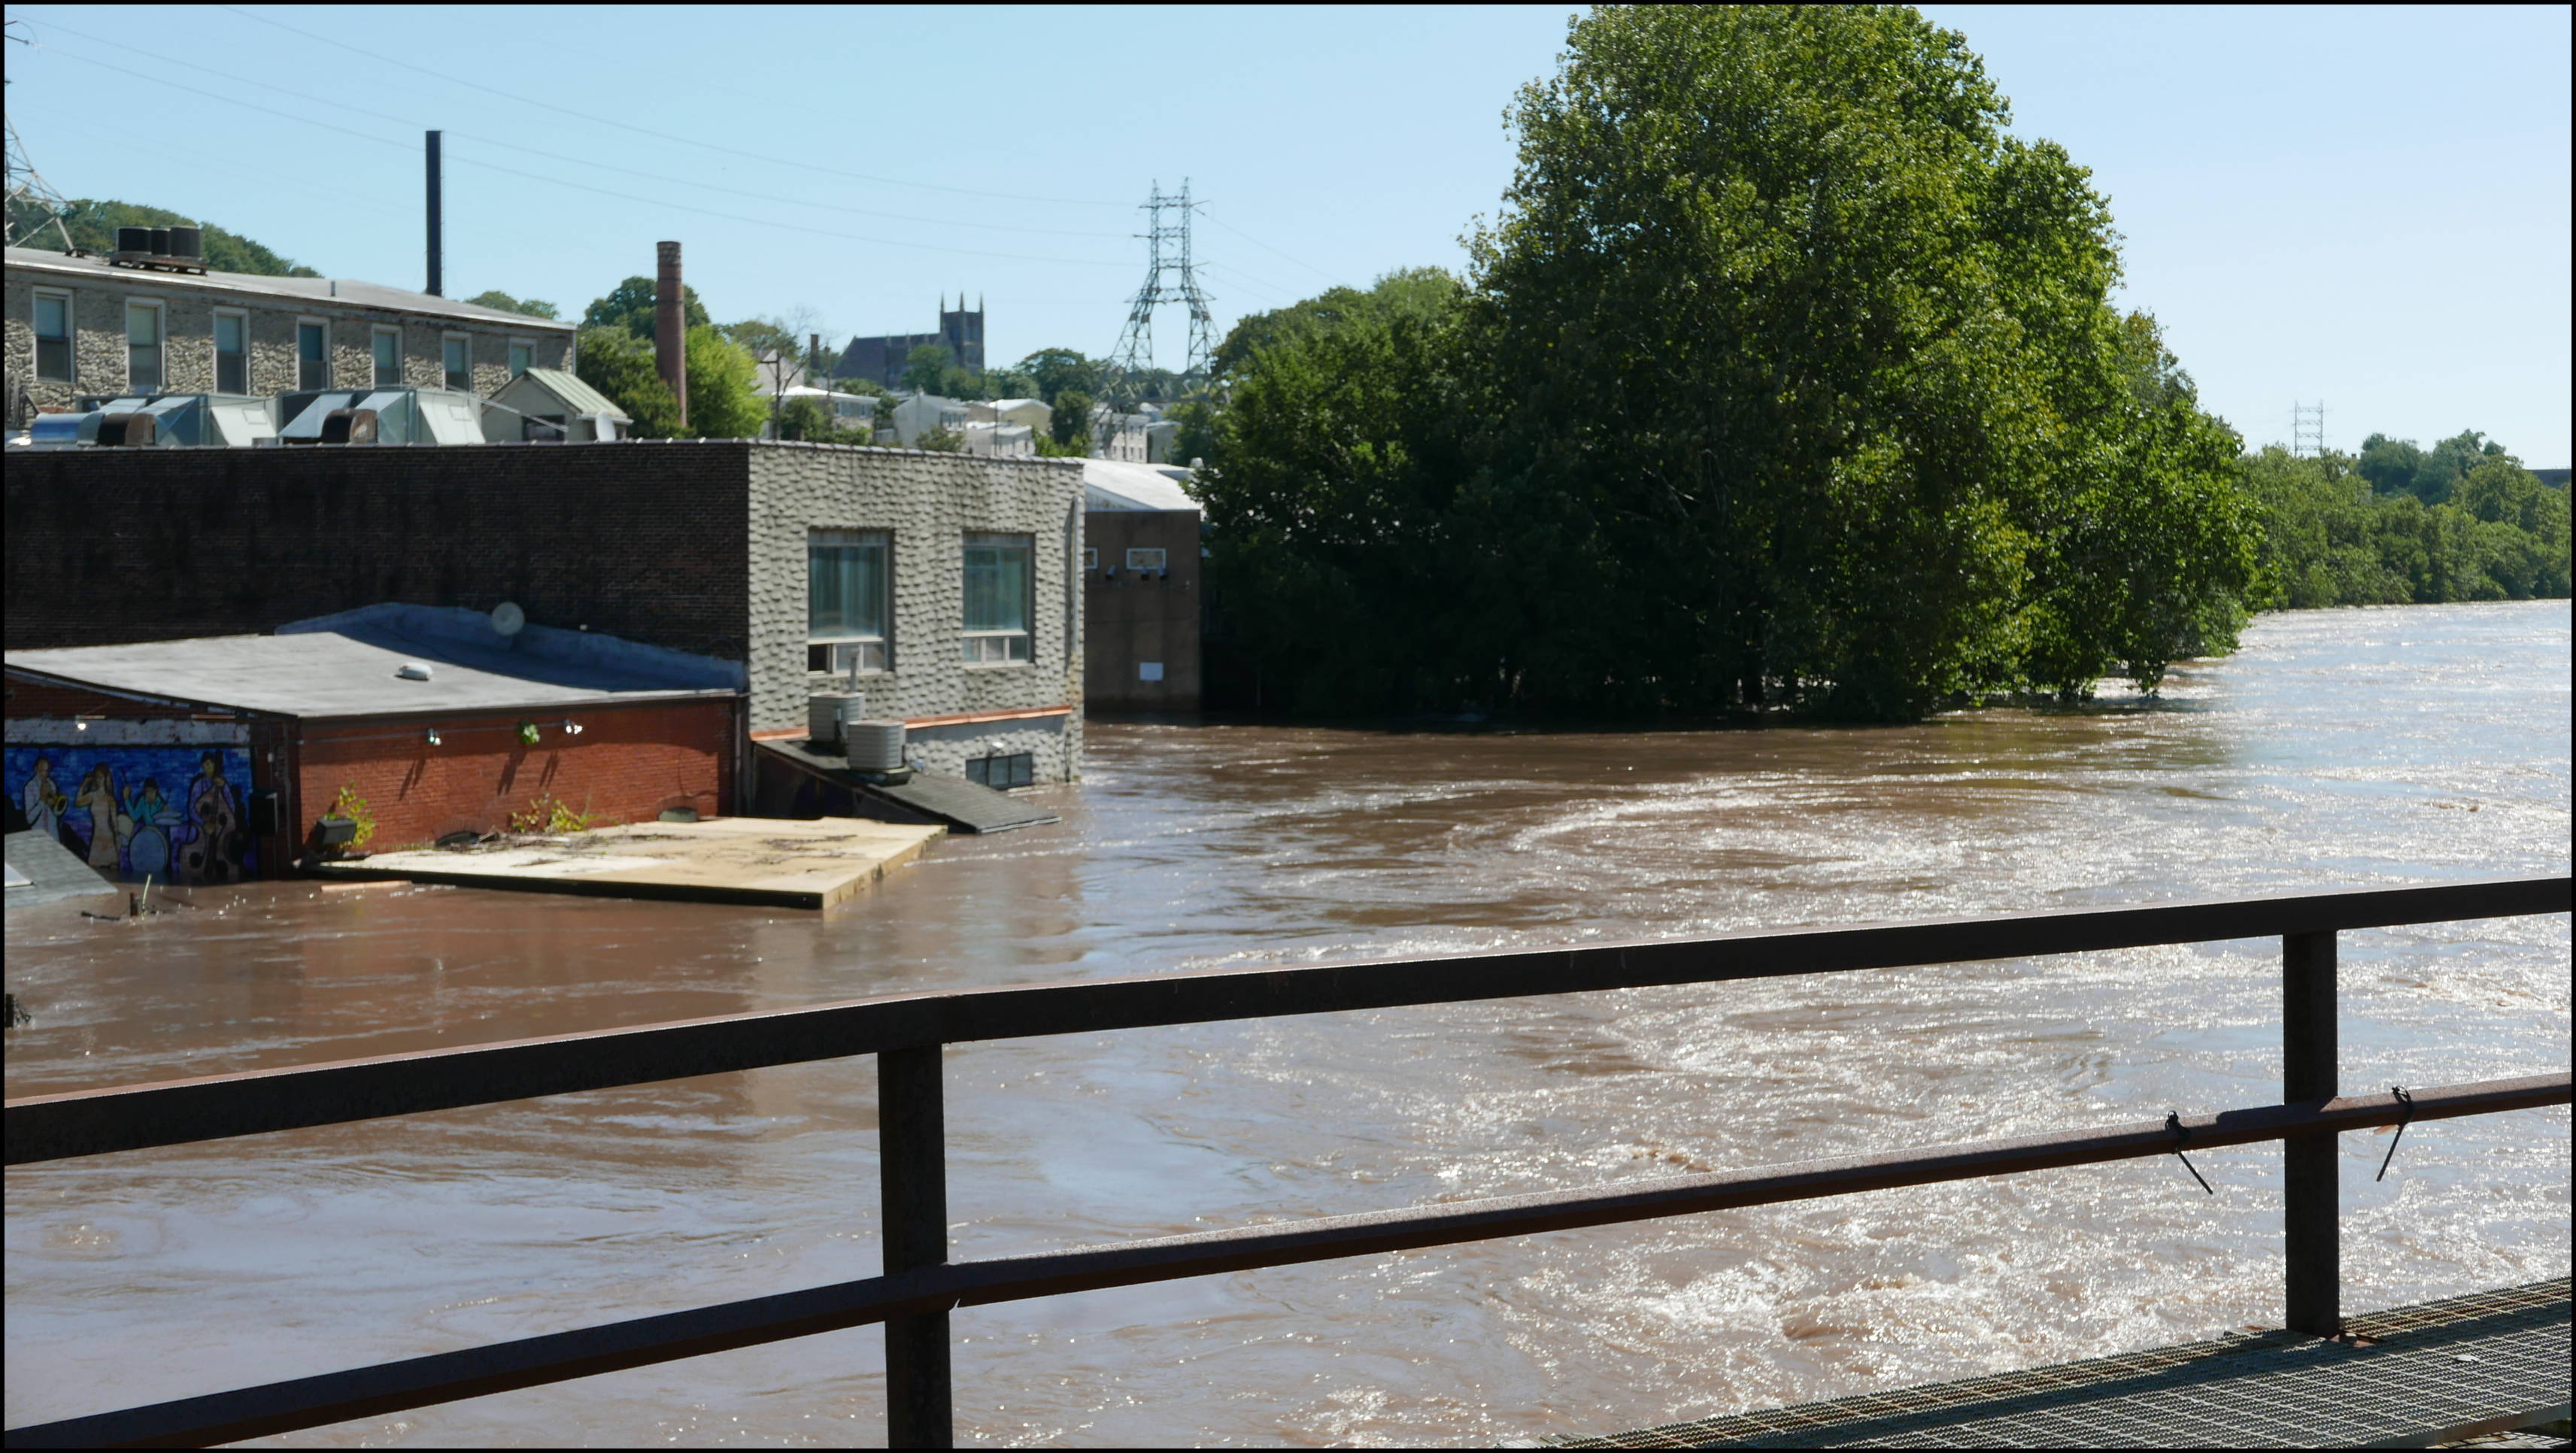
(2337, 748)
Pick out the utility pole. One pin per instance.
(34, 205)
(2308, 430)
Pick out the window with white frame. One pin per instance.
(53, 320)
(848, 599)
(312, 354)
(232, 352)
(456, 359)
(1145, 559)
(997, 598)
(1090, 559)
(388, 355)
(523, 356)
(143, 348)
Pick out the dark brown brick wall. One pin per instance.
(628, 764)
(1127, 619)
(43, 699)
(643, 540)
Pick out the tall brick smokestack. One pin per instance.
(671, 326)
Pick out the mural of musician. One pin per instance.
(124, 820)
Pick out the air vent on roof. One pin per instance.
(175, 249)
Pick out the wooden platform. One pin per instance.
(769, 862)
(2413, 1377)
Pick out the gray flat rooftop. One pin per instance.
(345, 666)
(2412, 1377)
(323, 291)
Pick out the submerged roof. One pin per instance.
(1116, 484)
(345, 291)
(346, 665)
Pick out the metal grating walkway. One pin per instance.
(2415, 1376)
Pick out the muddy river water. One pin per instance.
(2338, 748)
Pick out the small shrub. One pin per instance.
(551, 816)
(353, 807)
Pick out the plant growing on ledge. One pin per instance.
(548, 815)
(528, 732)
(351, 808)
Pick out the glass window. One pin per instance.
(456, 354)
(847, 600)
(232, 353)
(997, 598)
(1016, 769)
(1090, 559)
(522, 358)
(54, 336)
(312, 355)
(388, 358)
(143, 347)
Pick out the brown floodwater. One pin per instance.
(2337, 748)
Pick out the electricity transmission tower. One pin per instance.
(34, 205)
(2308, 430)
(1167, 250)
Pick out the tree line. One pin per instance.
(1786, 378)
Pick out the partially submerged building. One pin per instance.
(943, 588)
(1140, 584)
(215, 759)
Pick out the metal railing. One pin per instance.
(920, 1286)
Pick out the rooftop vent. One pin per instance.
(170, 249)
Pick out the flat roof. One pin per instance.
(320, 290)
(348, 667)
(1117, 484)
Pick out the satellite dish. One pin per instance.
(507, 618)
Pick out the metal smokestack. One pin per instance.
(671, 326)
(437, 282)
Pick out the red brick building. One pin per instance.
(214, 759)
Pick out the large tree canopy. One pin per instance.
(1785, 376)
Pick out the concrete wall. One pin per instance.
(188, 337)
(927, 502)
(1129, 620)
(644, 541)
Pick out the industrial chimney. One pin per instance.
(437, 283)
(671, 326)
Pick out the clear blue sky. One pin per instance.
(2365, 206)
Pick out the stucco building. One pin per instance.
(87, 326)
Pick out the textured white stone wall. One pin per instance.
(928, 503)
(188, 338)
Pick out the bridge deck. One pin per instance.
(2414, 1376)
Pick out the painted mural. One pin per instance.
(178, 814)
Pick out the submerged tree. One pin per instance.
(1786, 376)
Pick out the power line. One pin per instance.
(583, 162)
(583, 187)
(1333, 278)
(661, 135)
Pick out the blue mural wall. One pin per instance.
(175, 813)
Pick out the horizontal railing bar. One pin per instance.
(391, 1387)
(138, 1117)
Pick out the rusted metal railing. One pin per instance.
(920, 1286)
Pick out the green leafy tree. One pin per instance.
(1056, 369)
(1787, 376)
(531, 307)
(724, 400)
(621, 366)
(762, 337)
(927, 368)
(93, 225)
(940, 440)
(1070, 417)
(810, 420)
(629, 306)
(2336, 535)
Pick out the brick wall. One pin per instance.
(628, 764)
(1128, 620)
(44, 699)
(645, 541)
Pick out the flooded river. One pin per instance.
(2338, 748)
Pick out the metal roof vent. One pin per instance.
(412, 671)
